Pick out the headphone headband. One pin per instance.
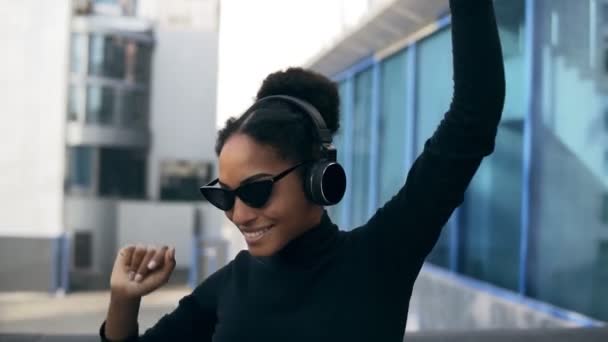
(325, 180)
(313, 113)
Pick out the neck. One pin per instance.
(311, 247)
(314, 218)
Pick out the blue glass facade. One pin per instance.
(535, 217)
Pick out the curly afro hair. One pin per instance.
(283, 126)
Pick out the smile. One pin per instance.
(257, 235)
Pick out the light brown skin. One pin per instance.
(134, 275)
(288, 209)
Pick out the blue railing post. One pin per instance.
(532, 111)
(195, 254)
(347, 149)
(374, 139)
(65, 262)
(55, 264)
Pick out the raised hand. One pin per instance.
(140, 270)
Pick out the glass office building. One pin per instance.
(535, 217)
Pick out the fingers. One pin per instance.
(169, 260)
(138, 256)
(148, 259)
(142, 270)
(169, 264)
(126, 254)
(158, 259)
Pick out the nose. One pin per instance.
(242, 214)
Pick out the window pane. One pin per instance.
(144, 59)
(137, 62)
(122, 173)
(78, 48)
(100, 104)
(393, 128)
(361, 148)
(570, 174)
(434, 98)
(107, 56)
(491, 214)
(180, 180)
(75, 99)
(80, 160)
(96, 54)
(135, 109)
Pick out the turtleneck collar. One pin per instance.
(308, 249)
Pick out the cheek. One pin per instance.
(288, 199)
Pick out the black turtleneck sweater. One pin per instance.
(331, 285)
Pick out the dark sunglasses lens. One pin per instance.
(256, 194)
(220, 198)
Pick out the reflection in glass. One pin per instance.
(433, 99)
(570, 172)
(491, 214)
(361, 148)
(393, 127)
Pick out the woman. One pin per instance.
(302, 279)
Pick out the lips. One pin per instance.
(255, 235)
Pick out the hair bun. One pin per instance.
(309, 86)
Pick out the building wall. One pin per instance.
(98, 217)
(183, 101)
(170, 224)
(26, 263)
(33, 75)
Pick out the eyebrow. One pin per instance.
(247, 180)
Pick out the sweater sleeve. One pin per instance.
(405, 229)
(194, 319)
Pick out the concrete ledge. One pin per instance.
(48, 338)
(445, 301)
(522, 335)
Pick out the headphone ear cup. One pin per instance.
(325, 183)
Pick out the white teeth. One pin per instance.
(256, 234)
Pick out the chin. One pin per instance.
(261, 251)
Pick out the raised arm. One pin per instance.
(405, 230)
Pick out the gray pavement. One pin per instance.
(79, 313)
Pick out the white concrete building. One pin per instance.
(33, 78)
(110, 132)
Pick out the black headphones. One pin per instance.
(325, 179)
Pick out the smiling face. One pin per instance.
(286, 215)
